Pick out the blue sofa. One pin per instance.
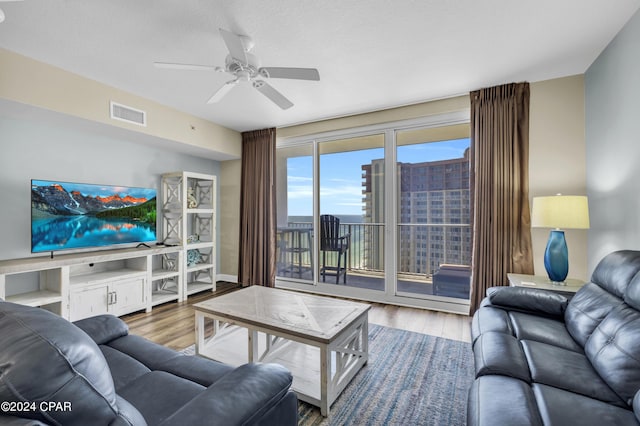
(94, 372)
(541, 359)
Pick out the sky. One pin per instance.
(341, 175)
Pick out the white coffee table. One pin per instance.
(323, 341)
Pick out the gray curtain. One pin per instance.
(257, 257)
(500, 185)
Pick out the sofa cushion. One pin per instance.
(41, 347)
(569, 370)
(614, 351)
(560, 407)
(158, 395)
(632, 295)
(500, 353)
(124, 369)
(501, 400)
(490, 319)
(156, 357)
(541, 329)
(586, 309)
(609, 282)
(149, 353)
(615, 271)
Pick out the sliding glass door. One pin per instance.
(352, 191)
(434, 216)
(294, 180)
(380, 214)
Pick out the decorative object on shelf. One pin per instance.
(559, 211)
(168, 284)
(192, 202)
(193, 257)
(193, 238)
(169, 263)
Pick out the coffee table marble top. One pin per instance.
(313, 317)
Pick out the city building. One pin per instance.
(434, 214)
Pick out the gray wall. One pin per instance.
(612, 98)
(44, 145)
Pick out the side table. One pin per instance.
(570, 286)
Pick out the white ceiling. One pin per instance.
(371, 54)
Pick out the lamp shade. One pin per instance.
(560, 211)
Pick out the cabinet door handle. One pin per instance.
(115, 297)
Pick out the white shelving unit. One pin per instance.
(35, 287)
(80, 285)
(122, 281)
(166, 277)
(189, 222)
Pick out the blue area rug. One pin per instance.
(410, 379)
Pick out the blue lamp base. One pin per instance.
(556, 257)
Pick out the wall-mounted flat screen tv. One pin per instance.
(66, 215)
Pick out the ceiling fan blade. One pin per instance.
(234, 45)
(190, 67)
(222, 91)
(293, 73)
(273, 95)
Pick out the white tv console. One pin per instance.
(81, 285)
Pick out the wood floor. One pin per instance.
(172, 324)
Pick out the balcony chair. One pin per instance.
(295, 255)
(332, 241)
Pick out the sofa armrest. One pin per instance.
(529, 300)
(240, 397)
(103, 328)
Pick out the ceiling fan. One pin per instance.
(2, 12)
(245, 66)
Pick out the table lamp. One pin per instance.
(559, 211)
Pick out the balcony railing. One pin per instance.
(422, 248)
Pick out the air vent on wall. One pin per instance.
(128, 114)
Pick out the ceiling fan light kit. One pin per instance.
(2, 15)
(245, 67)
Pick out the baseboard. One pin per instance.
(228, 278)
